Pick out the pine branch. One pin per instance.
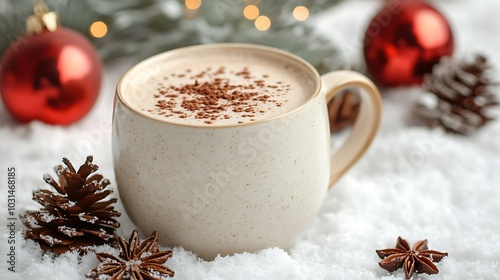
(141, 28)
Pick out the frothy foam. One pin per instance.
(217, 86)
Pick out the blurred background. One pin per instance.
(141, 28)
(395, 42)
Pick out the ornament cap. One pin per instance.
(42, 20)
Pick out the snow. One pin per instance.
(47, 217)
(50, 240)
(47, 178)
(32, 221)
(413, 182)
(67, 230)
(86, 219)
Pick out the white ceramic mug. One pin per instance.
(235, 188)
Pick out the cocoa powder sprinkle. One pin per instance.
(214, 95)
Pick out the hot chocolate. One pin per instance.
(217, 88)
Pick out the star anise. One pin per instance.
(136, 261)
(419, 259)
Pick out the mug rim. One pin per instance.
(288, 55)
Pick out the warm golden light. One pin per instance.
(262, 23)
(193, 4)
(300, 13)
(98, 29)
(251, 12)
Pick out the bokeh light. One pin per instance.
(193, 4)
(98, 29)
(431, 29)
(300, 13)
(251, 12)
(262, 23)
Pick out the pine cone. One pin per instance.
(343, 110)
(75, 216)
(459, 95)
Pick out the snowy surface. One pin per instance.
(413, 182)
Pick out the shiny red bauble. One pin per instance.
(54, 77)
(404, 41)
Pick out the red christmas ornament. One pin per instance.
(52, 75)
(404, 41)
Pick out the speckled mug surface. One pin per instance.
(231, 188)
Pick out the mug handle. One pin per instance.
(366, 124)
